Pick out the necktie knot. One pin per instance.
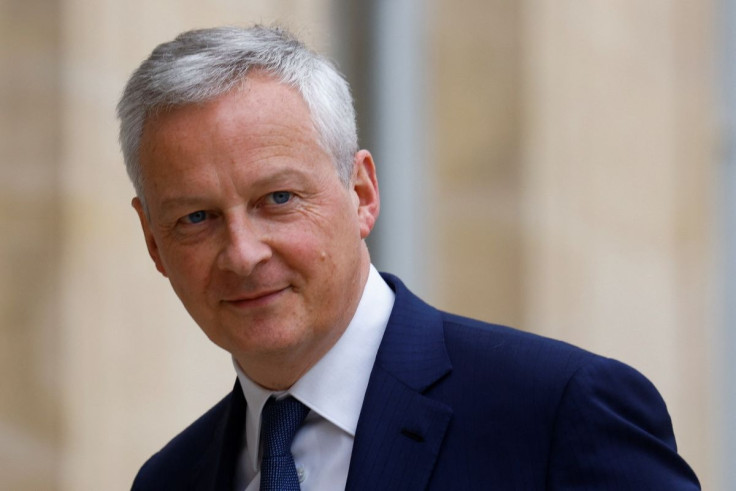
(280, 421)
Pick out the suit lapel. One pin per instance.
(216, 469)
(400, 430)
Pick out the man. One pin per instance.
(255, 202)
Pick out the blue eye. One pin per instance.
(197, 216)
(281, 197)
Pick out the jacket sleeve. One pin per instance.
(612, 432)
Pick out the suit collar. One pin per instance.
(400, 430)
(413, 346)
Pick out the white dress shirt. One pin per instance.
(333, 389)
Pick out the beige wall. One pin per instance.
(573, 164)
(620, 169)
(576, 164)
(476, 57)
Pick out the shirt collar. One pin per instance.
(335, 386)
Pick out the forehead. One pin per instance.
(259, 104)
(245, 135)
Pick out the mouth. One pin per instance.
(255, 299)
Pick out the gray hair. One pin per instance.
(201, 65)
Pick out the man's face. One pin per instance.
(249, 221)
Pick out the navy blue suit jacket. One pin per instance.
(458, 404)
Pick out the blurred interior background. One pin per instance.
(564, 167)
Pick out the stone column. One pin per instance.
(31, 235)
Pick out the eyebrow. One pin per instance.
(197, 200)
(174, 202)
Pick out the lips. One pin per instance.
(255, 299)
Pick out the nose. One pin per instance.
(244, 247)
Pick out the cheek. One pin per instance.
(189, 268)
(305, 252)
(313, 256)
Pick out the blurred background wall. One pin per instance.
(550, 164)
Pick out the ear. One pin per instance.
(150, 240)
(365, 187)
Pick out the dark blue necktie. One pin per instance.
(280, 421)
